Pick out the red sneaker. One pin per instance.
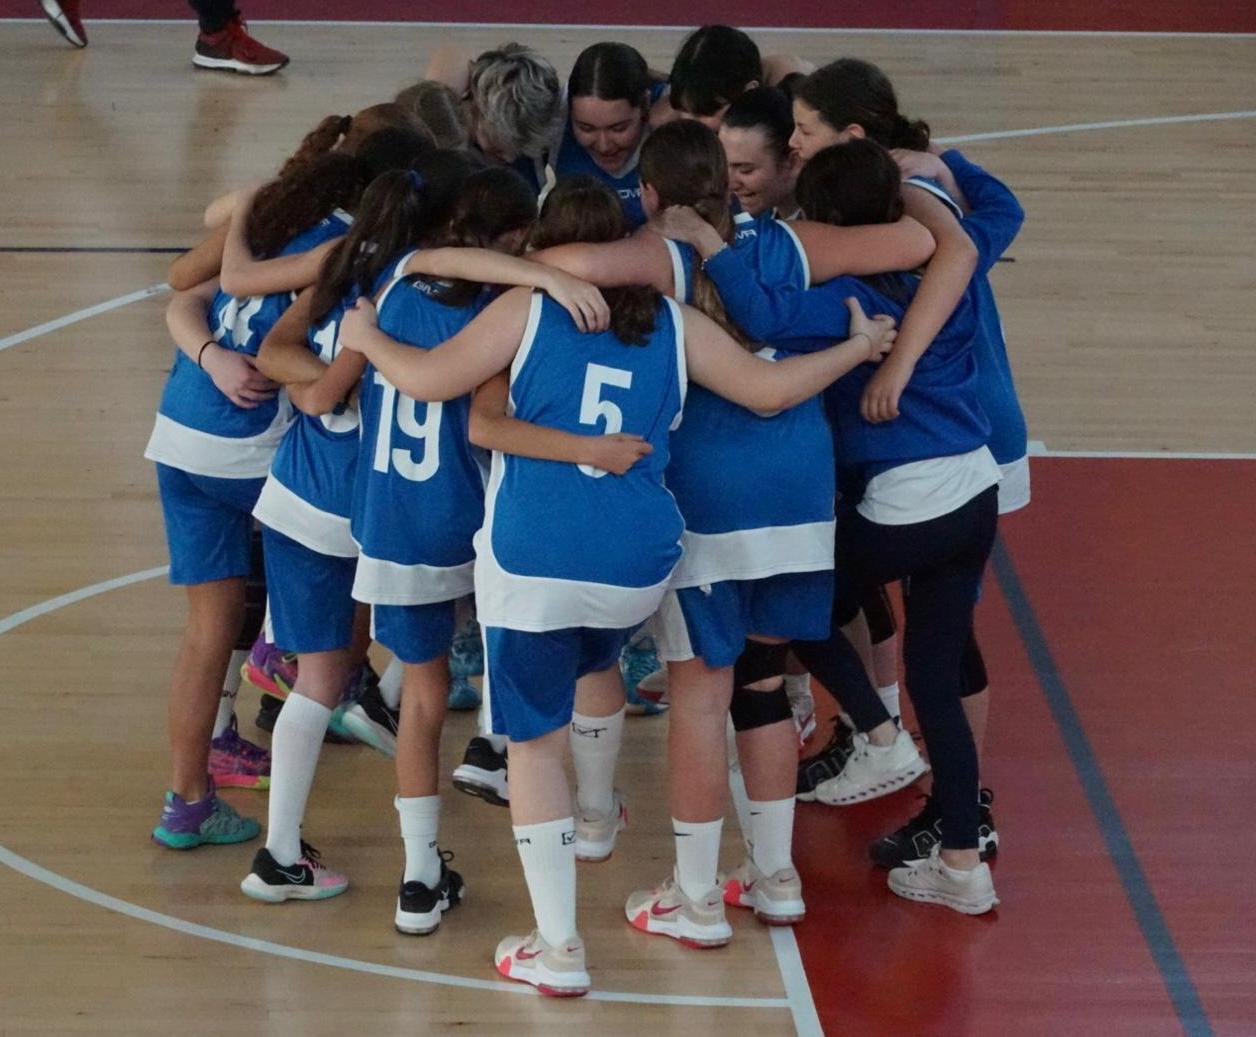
(64, 16)
(234, 50)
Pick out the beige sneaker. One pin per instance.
(666, 911)
(554, 971)
(596, 831)
(933, 882)
(775, 899)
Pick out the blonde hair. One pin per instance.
(516, 97)
(440, 110)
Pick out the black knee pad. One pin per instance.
(973, 664)
(880, 615)
(749, 708)
(254, 593)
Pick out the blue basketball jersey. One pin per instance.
(568, 546)
(571, 159)
(418, 497)
(309, 491)
(756, 492)
(201, 431)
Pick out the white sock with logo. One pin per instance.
(390, 683)
(741, 804)
(595, 744)
(420, 825)
(294, 749)
(772, 825)
(889, 698)
(548, 853)
(697, 855)
(230, 689)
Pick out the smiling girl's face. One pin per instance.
(609, 131)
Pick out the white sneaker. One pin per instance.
(932, 881)
(596, 831)
(872, 771)
(667, 911)
(775, 899)
(554, 971)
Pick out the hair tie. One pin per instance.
(416, 179)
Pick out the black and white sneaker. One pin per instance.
(269, 710)
(419, 908)
(825, 764)
(483, 773)
(915, 841)
(307, 879)
(369, 720)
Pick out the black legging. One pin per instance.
(213, 15)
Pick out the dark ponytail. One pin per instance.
(713, 67)
(852, 91)
(583, 208)
(309, 193)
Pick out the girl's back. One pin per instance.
(564, 545)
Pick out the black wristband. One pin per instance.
(208, 342)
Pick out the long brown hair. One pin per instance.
(849, 91)
(583, 208)
(685, 163)
(310, 192)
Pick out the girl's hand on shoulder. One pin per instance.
(682, 223)
(919, 163)
(357, 325)
(879, 331)
(618, 452)
(580, 299)
(234, 375)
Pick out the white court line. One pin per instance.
(802, 1005)
(761, 29)
(93, 896)
(1117, 124)
(79, 315)
(1148, 455)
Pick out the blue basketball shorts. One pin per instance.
(311, 607)
(414, 633)
(208, 523)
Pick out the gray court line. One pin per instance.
(80, 315)
(31, 870)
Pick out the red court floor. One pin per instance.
(1113, 626)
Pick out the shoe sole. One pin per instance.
(253, 886)
(892, 783)
(191, 840)
(256, 782)
(230, 65)
(987, 850)
(369, 734)
(410, 923)
(467, 779)
(546, 986)
(255, 678)
(61, 23)
(681, 930)
(790, 912)
(964, 907)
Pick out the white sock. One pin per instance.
(390, 683)
(741, 804)
(230, 689)
(595, 743)
(294, 749)
(772, 825)
(889, 698)
(548, 854)
(798, 685)
(420, 825)
(697, 855)
(498, 742)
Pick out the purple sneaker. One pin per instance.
(270, 669)
(235, 762)
(184, 825)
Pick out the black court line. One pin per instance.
(1182, 992)
(104, 249)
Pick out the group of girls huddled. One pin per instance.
(741, 371)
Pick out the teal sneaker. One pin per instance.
(184, 825)
(637, 661)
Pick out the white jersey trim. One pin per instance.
(296, 518)
(539, 603)
(928, 489)
(526, 342)
(680, 283)
(754, 554)
(671, 632)
(1014, 486)
(682, 364)
(380, 582)
(802, 253)
(220, 457)
(938, 193)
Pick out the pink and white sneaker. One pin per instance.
(556, 971)
(306, 879)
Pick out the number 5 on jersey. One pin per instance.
(427, 430)
(592, 406)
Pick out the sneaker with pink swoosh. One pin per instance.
(668, 911)
(555, 970)
(775, 899)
